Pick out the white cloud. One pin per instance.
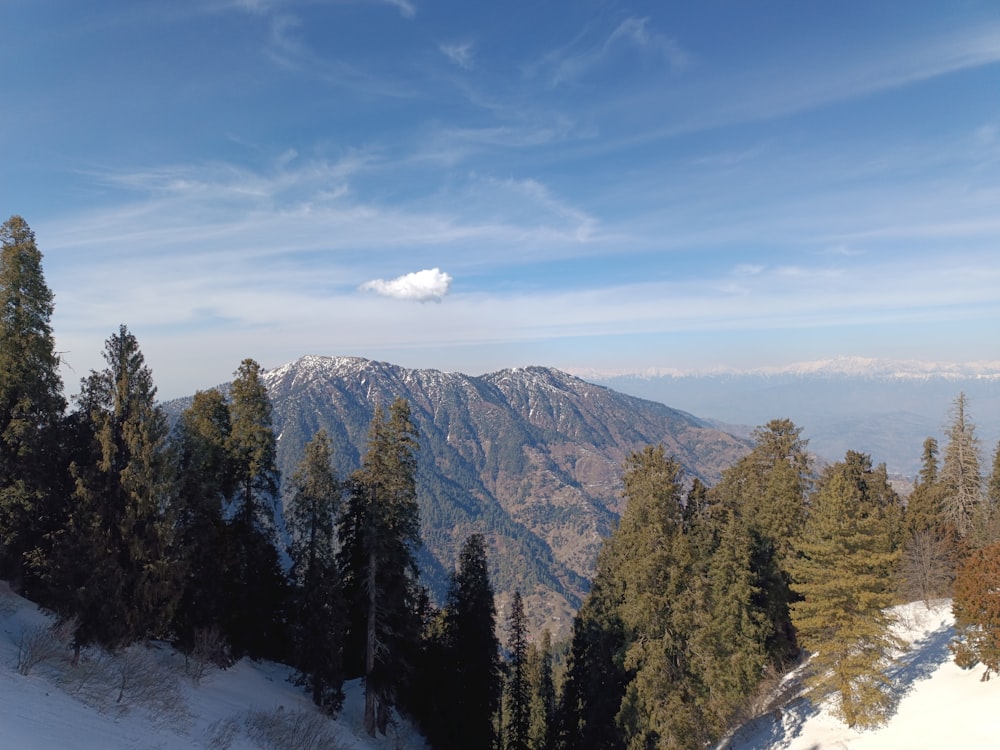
(459, 53)
(429, 285)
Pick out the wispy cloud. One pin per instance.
(586, 53)
(429, 285)
(405, 7)
(459, 53)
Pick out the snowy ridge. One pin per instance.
(856, 367)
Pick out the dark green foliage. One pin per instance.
(596, 678)
(542, 710)
(319, 603)
(517, 689)
(379, 531)
(123, 518)
(465, 676)
(768, 489)
(31, 407)
(256, 588)
(205, 485)
(848, 552)
(252, 449)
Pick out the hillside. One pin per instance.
(252, 706)
(144, 697)
(939, 705)
(531, 457)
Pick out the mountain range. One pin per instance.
(885, 408)
(531, 457)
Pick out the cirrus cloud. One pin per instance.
(428, 285)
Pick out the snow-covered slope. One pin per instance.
(251, 706)
(940, 705)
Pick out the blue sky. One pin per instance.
(596, 186)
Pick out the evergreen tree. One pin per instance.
(253, 449)
(729, 638)
(927, 567)
(768, 489)
(256, 586)
(320, 617)
(517, 693)
(124, 513)
(961, 479)
(379, 531)
(31, 406)
(596, 678)
(923, 508)
(542, 709)
(976, 607)
(205, 486)
(471, 689)
(847, 553)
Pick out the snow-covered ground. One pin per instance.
(252, 705)
(940, 705)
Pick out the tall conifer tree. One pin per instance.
(847, 556)
(471, 694)
(256, 584)
(379, 532)
(124, 511)
(517, 705)
(31, 405)
(319, 610)
(205, 487)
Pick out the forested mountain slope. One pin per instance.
(531, 457)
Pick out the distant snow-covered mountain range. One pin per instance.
(882, 407)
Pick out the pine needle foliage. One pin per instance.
(847, 555)
(31, 407)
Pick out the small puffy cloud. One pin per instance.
(429, 285)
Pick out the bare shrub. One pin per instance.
(140, 681)
(927, 570)
(290, 730)
(222, 732)
(44, 643)
(210, 651)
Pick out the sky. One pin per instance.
(467, 186)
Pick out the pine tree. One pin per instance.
(923, 508)
(976, 607)
(256, 586)
(542, 709)
(517, 701)
(31, 406)
(729, 639)
(768, 489)
(471, 692)
(320, 616)
(961, 479)
(205, 486)
(596, 678)
(379, 532)
(847, 554)
(125, 504)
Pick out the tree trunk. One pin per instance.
(370, 648)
